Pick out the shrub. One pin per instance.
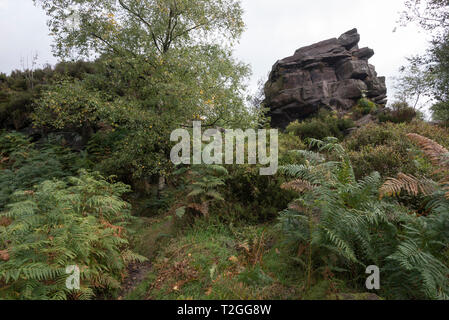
(288, 142)
(400, 112)
(325, 124)
(440, 112)
(385, 148)
(252, 198)
(15, 112)
(365, 106)
(339, 223)
(25, 166)
(57, 224)
(204, 183)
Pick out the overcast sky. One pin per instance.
(275, 29)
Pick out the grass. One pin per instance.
(209, 260)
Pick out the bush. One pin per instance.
(384, 148)
(23, 165)
(14, 113)
(57, 224)
(400, 112)
(324, 125)
(204, 186)
(440, 112)
(288, 142)
(365, 106)
(339, 223)
(253, 198)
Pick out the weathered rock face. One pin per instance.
(330, 74)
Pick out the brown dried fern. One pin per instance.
(434, 151)
(409, 184)
(298, 186)
(437, 154)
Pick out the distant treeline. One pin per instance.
(19, 89)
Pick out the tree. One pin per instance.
(433, 68)
(413, 84)
(429, 14)
(164, 64)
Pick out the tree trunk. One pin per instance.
(160, 186)
(86, 132)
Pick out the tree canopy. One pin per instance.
(163, 64)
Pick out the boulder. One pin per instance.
(330, 74)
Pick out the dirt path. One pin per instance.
(136, 274)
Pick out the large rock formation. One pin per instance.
(331, 74)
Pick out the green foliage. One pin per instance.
(423, 253)
(365, 106)
(325, 124)
(440, 112)
(57, 224)
(287, 143)
(11, 142)
(428, 74)
(20, 89)
(211, 260)
(15, 110)
(25, 166)
(252, 198)
(385, 148)
(398, 113)
(163, 64)
(66, 104)
(339, 223)
(204, 182)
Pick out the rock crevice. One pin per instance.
(332, 74)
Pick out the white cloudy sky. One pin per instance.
(275, 29)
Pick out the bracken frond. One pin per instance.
(434, 151)
(298, 185)
(407, 183)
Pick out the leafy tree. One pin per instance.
(432, 15)
(429, 74)
(68, 104)
(440, 112)
(164, 64)
(21, 88)
(413, 83)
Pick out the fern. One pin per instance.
(80, 222)
(203, 188)
(342, 225)
(407, 183)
